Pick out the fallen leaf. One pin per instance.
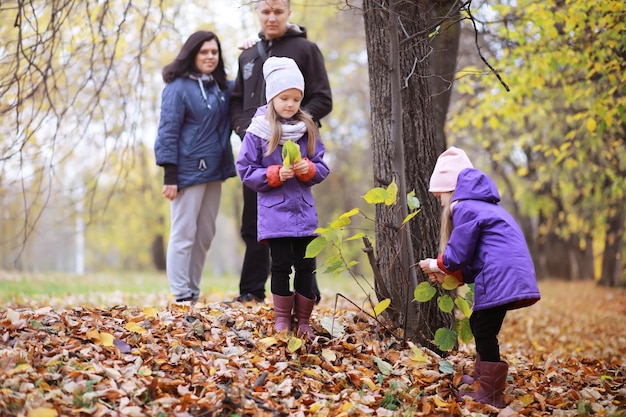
(43, 412)
(294, 344)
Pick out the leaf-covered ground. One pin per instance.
(566, 357)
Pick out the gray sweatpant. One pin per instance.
(192, 213)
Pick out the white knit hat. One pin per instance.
(281, 74)
(447, 168)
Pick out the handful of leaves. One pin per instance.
(291, 154)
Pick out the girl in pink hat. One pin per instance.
(481, 244)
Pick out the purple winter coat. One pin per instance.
(289, 209)
(488, 246)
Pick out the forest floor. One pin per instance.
(566, 357)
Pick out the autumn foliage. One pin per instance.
(566, 357)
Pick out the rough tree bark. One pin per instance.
(420, 320)
(445, 16)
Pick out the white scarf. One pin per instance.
(260, 127)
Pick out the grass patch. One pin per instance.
(138, 288)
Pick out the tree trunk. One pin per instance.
(581, 259)
(157, 249)
(612, 272)
(420, 320)
(445, 17)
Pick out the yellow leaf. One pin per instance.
(311, 372)
(150, 312)
(294, 151)
(591, 124)
(134, 327)
(351, 213)
(294, 344)
(357, 236)
(382, 306)
(290, 153)
(493, 122)
(410, 216)
(370, 384)
(347, 406)
(418, 355)
(527, 399)
(315, 407)
(392, 192)
(440, 403)
(268, 341)
(106, 339)
(94, 335)
(287, 162)
(22, 367)
(449, 282)
(145, 371)
(340, 222)
(43, 412)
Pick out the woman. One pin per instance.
(193, 147)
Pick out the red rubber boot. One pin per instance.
(303, 308)
(283, 305)
(492, 383)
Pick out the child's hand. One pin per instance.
(301, 167)
(435, 276)
(285, 174)
(425, 265)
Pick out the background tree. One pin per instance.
(556, 140)
(72, 89)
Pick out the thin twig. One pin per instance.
(361, 310)
(478, 48)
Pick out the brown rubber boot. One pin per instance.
(492, 383)
(303, 308)
(283, 305)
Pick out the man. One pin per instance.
(278, 37)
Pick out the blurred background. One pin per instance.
(80, 87)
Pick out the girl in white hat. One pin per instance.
(286, 217)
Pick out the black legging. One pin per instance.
(288, 252)
(485, 325)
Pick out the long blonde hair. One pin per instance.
(446, 225)
(277, 131)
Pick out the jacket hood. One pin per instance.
(473, 184)
(293, 31)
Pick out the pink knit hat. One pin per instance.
(447, 169)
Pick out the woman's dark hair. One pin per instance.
(184, 64)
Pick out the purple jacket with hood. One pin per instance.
(289, 209)
(487, 246)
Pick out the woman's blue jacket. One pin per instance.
(194, 132)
